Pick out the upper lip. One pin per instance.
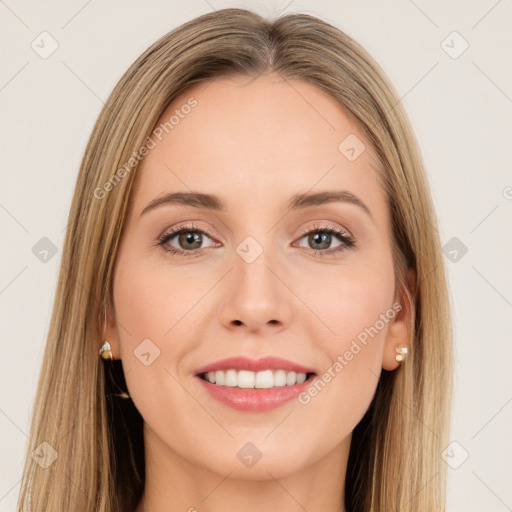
(255, 365)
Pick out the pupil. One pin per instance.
(319, 237)
(190, 238)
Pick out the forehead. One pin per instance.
(256, 140)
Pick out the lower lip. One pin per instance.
(255, 399)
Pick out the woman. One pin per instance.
(298, 354)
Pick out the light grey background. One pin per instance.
(460, 109)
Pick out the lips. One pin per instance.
(255, 365)
(254, 400)
(257, 399)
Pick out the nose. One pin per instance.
(256, 297)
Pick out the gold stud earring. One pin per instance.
(401, 352)
(106, 351)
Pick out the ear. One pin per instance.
(111, 333)
(399, 328)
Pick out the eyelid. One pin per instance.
(185, 225)
(319, 225)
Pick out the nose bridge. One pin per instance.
(254, 279)
(256, 296)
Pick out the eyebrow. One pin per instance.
(297, 202)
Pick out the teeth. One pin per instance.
(245, 379)
(230, 379)
(248, 379)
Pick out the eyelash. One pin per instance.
(347, 240)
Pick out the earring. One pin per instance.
(401, 352)
(106, 351)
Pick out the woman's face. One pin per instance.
(251, 276)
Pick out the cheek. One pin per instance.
(365, 320)
(350, 324)
(152, 309)
(152, 300)
(348, 303)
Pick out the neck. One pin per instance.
(174, 483)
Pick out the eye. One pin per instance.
(189, 239)
(320, 238)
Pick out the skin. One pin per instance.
(254, 143)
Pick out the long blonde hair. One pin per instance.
(395, 457)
